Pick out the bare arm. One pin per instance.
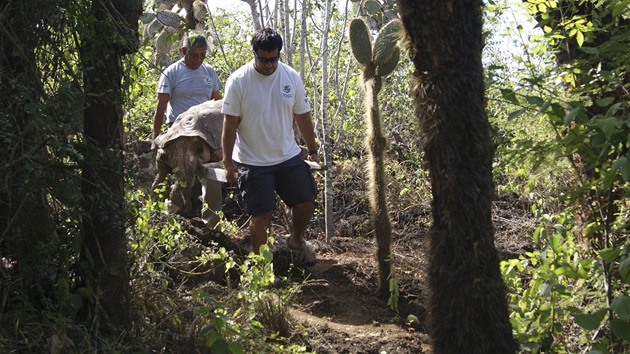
(216, 95)
(305, 126)
(158, 117)
(228, 138)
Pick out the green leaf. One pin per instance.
(621, 307)
(624, 270)
(571, 115)
(211, 339)
(530, 346)
(609, 125)
(566, 270)
(623, 165)
(544, 107)
(509, 95)
(545, 290)
(556, 243)
(621, 329)
(604, 102)
(615, 108)
(609, 254)
(619, 163)
(557, 110)
(619, 8)
(561, 229)
(590, 50)
(579, 37)
(234, 349)
(587, 321)
(535, 100)
(515, 114)
(86, 293)
(536, 234)
(220, 346)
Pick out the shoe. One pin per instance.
(303, 253)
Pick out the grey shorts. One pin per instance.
(292, 180)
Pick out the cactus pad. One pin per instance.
(386, 41)
(360, 41)
(390, 64)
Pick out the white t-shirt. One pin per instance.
(266, 105)
(187, 87)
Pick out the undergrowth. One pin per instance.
(197, 295)
(566, 296)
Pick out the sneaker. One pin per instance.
(303, 253)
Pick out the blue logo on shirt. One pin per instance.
(286, 91)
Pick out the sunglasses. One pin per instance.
(264, 60)
(195, 56)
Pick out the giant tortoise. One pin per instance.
(193, 140)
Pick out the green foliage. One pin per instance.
(244, 322)
(394, 291)
(239, 319)
(140, 101)
(544, 286)
(560, 290)
(147, 242)
(561, 135)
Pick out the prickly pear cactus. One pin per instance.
(383, 58)
(390, 64)
(377, 64)
(386, 41)
(369, 71)
(360, 41)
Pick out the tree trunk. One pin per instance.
(328, 176)
(25, 222)
(286, 29)
(104, 239)
(468, 310)
(256, 15)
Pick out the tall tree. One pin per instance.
(25, 221)
(325, 131)
(102, 171)
(467, 303)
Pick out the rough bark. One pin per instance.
(25, 220)
(468, 310)
(104, 239)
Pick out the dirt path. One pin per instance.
(338, 309)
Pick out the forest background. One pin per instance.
(82, 255)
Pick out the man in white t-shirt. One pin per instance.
(262, 100)
(185, 83)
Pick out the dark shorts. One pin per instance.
(292, 180)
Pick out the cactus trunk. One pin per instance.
(376, 144)
(468, 310)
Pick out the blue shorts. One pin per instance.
(292, 180)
